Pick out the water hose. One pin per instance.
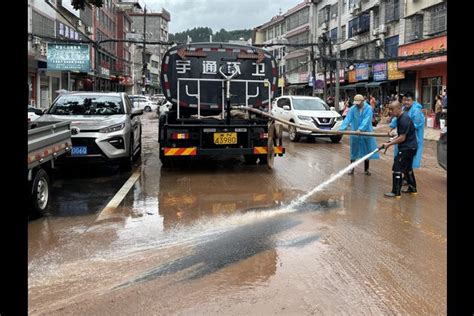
(312, 129)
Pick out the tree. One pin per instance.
(80, 4)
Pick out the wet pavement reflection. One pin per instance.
(218, 237)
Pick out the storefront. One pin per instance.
(429, 76)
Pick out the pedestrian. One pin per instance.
(438, 111)
(407, 148)
(359, 118)
(414, 110)
(445, 99)
(373, 102)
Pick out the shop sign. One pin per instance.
(427, 46)
(380, 71)
(352, 76)
(68, 57)
(341, 76)
(393, 72)
(362, 72)
(281, 82)
(303, 77)
(104, 71)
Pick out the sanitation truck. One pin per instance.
(209, 85)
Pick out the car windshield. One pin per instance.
(309, 105)
(87, 105)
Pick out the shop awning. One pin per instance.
(353, 86)
(375, 84)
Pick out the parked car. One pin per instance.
(34, 113)
(164, 107)
(104, 126)
(307, 111)
(442, 149)
(143, 102)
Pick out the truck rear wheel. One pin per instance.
(40, 192)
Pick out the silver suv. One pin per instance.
(104, 126)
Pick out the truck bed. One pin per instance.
(46, 141)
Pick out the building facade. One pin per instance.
(370, 30)
(156, 30)
(55, 23)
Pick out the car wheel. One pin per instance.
(336, 139)
(293, 134)
(139, 151)
(127, 163)
(40, 192)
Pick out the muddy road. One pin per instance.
(218, 237)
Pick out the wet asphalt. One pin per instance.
(216, 236)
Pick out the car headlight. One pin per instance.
(112, 128)
(304, 117)
(340, 118)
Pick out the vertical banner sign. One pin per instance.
(380, 71)
(68, 57)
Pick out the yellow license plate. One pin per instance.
(225, 138)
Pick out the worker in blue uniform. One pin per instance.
(359, 118)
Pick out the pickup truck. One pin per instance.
(46, 142)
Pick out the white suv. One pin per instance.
(309, 111)
(143, 102)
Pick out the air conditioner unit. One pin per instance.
(324, 26)
(79, 23)
(382, 28)
(375, 32)
(378, 43)
(89, 30)
(334, 15)
(36, 41)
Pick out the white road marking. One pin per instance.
(117, 199)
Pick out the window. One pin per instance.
(431, 87)
(42, 25)
(391, 46)
(333, 11)
(359, 25)
(438, 18)
(283, 101)
(414, 28)
(343, 32)
(323, 15)
(333, 35)
(299, 18)
(309, 105)
(298, 39)
(392, 10)
(93, 104)
(344, 6)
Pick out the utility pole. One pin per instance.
(338, 53)
(144, 52)
(313, 70)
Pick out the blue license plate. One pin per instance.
(79, 151)
(324, 127)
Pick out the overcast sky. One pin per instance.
(217, 14)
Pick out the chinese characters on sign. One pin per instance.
(210, 67)
(380, 71)
(393, 72)
(259, 69)
(362, 72)
(68, 57)
(182, 66)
